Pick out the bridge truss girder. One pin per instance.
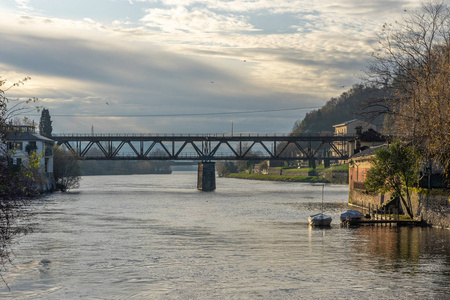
(204, 147)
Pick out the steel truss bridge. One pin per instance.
(205, 147)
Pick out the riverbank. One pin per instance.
(333, 174)
(284, 178)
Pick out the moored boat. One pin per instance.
(319, 220)
(351, 215)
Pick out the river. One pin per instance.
(157, 237)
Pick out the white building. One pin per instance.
(21, 141)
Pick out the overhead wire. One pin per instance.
(177, 115)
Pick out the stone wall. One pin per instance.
(360, 197)
(433, 208)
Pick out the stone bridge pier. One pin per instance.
(206, 180)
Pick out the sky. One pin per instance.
(187, 66)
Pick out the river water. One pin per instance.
(157, 237)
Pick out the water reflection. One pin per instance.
(409, 251)
(403, 243)
(247, 240)
(10, 211)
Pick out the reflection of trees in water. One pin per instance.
(9, 211)
(397, 248)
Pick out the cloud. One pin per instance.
(78, 75)
(191, 56)
(180, 19)
(23, 4)
(241, 6)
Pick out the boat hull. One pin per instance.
(351, 215)
(319, 220)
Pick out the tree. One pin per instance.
(30, 174)
(413, 60)
(11, 180)
(66, 168)
(394, 170)
(11, 108)
(226, 167)
(45, 124)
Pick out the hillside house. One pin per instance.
(351, 128)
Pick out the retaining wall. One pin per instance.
(433, 208)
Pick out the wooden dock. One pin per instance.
(381, 216)
(368, 222)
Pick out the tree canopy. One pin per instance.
(394, 170)
(349, 105)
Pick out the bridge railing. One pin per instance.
(246, 134)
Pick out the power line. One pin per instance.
(178, 115)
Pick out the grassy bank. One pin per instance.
(333, 174)
(286, 178)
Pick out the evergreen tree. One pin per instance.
(45, 124)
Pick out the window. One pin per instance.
(18, 145)
(18, 161)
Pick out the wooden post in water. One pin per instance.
(390, 216)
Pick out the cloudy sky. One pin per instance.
(187, 66)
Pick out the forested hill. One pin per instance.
(347, 106)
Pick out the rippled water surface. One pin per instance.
(157, 237)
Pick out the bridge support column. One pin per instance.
(206, 180)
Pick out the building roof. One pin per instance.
(370, 135)
(370, 151)
(26, 136)
(352, 121)
(345, 123)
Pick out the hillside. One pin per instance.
(349, 105)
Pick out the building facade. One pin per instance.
(351, 128)
(20, 142)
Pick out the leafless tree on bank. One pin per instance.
(412, 61)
